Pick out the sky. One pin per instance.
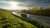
(23, 4)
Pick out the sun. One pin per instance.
(13, 5)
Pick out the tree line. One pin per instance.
(35, 11)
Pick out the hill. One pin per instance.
(6, 18)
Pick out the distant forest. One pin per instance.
(35, 11)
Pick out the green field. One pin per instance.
(14, 22)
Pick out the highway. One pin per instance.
(44, 20)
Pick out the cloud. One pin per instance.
(4, 4)
(29, 3)
(25, 3)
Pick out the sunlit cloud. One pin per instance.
(13, 5)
